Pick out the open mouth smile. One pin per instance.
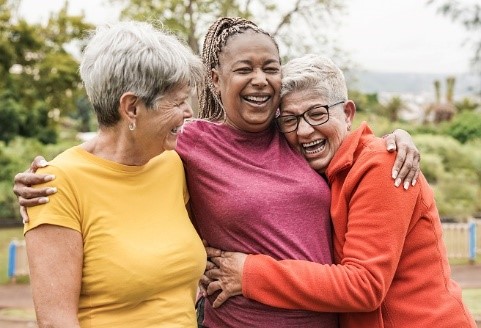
(257, 100)
(314, 147)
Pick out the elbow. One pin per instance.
(365, 303)
(56, 322)
(368, 297)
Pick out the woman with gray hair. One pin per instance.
(391, 267)
(101, 253)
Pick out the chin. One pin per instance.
(318, 166)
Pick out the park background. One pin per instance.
(412, 64)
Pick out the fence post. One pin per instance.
(472, 241)
(12, 252)
(17, 260)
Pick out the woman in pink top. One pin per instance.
(392, 268)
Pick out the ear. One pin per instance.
(349, 111)
(214, 74)
(128, 106)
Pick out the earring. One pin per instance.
(132, 126)
(348, 128)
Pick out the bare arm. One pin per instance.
(406, 167)
(55, 256)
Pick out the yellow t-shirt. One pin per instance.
(142, 256)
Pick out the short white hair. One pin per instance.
(134, 57)
(314, 72)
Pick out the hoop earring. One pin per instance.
(132, 126)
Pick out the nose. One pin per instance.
(303, 128)
(187, 111)
(259, 78)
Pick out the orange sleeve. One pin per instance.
(378, 220)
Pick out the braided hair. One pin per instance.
(215, 40)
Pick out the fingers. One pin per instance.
(28, 196)
(220, 299)
(213, 287)
(38, 162)
(213, 252)
(204, 282)
(209, 265)
(30, 179)
(390, 140)
(406, 166)
(213, 274)
(24, 214)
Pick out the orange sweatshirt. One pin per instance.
(392, 266)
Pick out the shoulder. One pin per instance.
(67, 161)
(193, 132)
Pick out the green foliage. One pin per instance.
(454, 172)
(365, 102)
(392, 108)
(465, 126)
(16, 157)
(432, 167)
(190, 19)
(467, 104)
(40, 79)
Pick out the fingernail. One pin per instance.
(394, 174)
(391, 147)
(43, 200)
(414, 182)
(51, 190)
(397, 183)
(49, 177)
(42, 163)
(406, 185)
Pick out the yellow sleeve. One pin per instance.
(62, 208)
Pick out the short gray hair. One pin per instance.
(313, 72)
(134, 57)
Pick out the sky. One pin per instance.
(405, 36)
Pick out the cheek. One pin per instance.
(292, 140)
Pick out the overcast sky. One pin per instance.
(380, 35)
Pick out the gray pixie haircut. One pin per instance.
(313, 72)
(134, 57)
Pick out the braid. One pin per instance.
(215, 40)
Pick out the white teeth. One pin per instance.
(312, 143)
(310, 147)
(257, 99)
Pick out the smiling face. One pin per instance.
(317, 144)
(163, 123)
(248, 79)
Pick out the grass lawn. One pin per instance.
(6, 235)
(472, 298)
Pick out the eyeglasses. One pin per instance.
(313, 116)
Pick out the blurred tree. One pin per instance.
(393, 107)
(36, 67)
(467, 105)
(297, 25)
(469, 15)
(465, 126)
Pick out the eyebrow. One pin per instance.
(248, 61)
(309, 108)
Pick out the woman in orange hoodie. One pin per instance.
(392, 268)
